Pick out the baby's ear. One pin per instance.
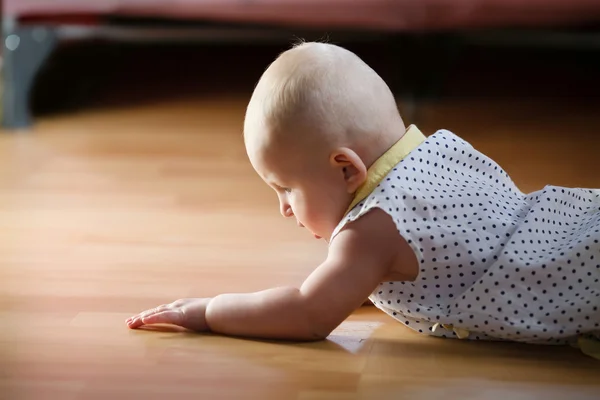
(351, 167)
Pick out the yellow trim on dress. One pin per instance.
(411, 139)
(588, 345)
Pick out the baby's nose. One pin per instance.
(286, 210)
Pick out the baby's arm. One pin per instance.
(359, 258)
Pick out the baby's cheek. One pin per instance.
(323, 218)
(307, 215)
(314, 210)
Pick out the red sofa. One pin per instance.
(405, 15)
(32, 28)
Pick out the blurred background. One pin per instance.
(140, 51)
(124, 183)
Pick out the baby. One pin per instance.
(431, 230)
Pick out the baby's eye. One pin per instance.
(287, 190)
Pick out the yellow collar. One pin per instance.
(411, 139)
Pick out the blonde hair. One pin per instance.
(322, 92)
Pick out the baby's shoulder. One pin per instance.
(374, 240)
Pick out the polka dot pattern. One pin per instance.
(494, 261)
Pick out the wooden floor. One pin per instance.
(108, 212)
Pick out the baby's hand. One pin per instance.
(187, 313)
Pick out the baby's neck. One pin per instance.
(375, 149)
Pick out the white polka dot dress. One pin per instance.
(495, 264)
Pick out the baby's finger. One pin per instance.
(163, 317)
(136, 321)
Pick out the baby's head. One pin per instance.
(318, 118)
